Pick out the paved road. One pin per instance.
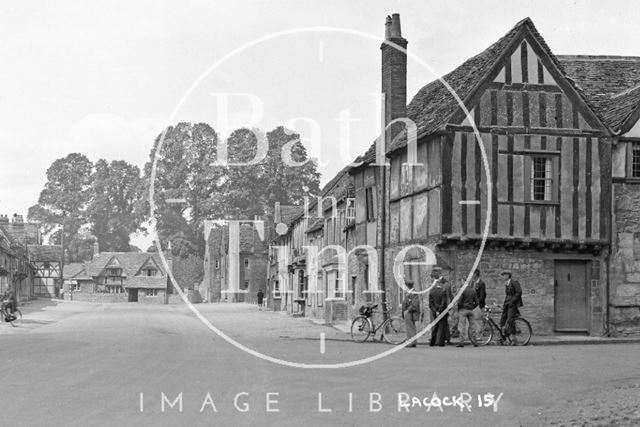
(80, 364)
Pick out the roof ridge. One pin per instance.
(625, 92)
(600, 57)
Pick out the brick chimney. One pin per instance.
(394, 73)
(96, 249)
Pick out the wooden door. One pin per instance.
(133, 294)
(571, 296)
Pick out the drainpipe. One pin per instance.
(383, 213)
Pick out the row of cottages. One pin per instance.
(558, 141)
(36, 267)
(15, 272)
(235, 261)
(119, 277)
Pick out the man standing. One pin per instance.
(411, 313)
(466, 306)
(481, 294)
(449, 291)
(438, 301)
(260, 298)
(480, 288)
(512, 300)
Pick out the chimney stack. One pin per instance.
(394, 74)
(96, 249)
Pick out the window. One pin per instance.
(351, 208)
(541, 172)
(113, 272)
(353, 289)
(368, 296)
(150, 292)
(217, 264)
(75, 287)
(116, 290)
(370, 205)
(338, 291)
(149, 272)
(245, 285)
(276, 289)
(635, 161)
(246, 263)
(541, 178)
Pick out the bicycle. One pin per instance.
(483, 335)
(392, 329)
(4, 313)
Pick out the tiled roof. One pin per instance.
(610, 83)
(289, 212)
(148, 282)
(130, 262)
(432, 107)
(72, 270)
(316, 224)
(44, 252)
(340, 186)
(5, 240)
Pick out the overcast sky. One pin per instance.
(103, 78)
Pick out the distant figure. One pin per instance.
(260, 297)
(9, 304)
(411, 313)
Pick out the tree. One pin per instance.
(63, 201)
(252, 190)
(187, 169)
(113, 211)
(184, 170)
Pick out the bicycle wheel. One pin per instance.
(18, 315)
(482, 334)
(523, 331)
(360, 329)
(394, 331)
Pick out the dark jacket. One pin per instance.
(468, 300)
(513, 294)
(438, 299)
(411, 304)
(481, 292)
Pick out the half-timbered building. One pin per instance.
(119, 277)
(528, 169)
(46, 261)
(612, 85)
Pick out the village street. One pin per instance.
(81, 364)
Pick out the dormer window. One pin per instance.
(114, 272)
(150, 272)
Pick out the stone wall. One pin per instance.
(534, 269)
(625, 261)
(111, 298)
(96, 297)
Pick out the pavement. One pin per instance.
(83, 364)
(41, 312)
